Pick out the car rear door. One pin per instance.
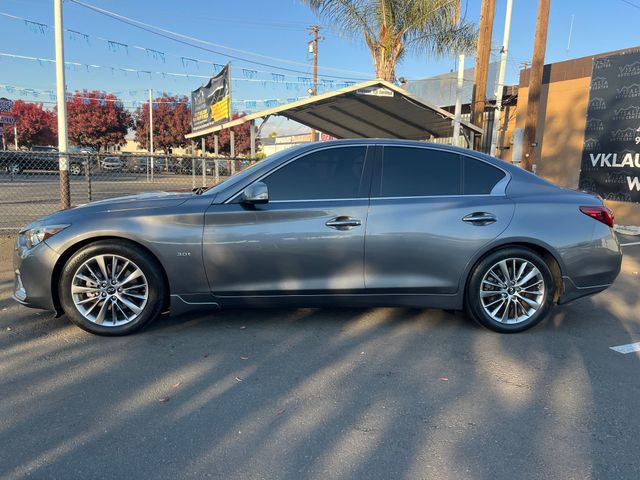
(309, 237)
(431, 211)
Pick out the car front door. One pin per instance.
(309, 237)
(431, 212)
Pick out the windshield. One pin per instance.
(239, 176)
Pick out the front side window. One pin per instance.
(330, 173)
(416, 172)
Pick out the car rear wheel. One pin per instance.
(112, 288)
(510, 290)
(14, 168)
(75, 169)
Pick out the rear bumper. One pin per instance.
(33, 271)
(593, 268)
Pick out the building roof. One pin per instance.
(372, 109)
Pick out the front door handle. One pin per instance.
(479, 218)
(343, 223)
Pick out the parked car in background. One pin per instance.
(114, 164)
(40, 158)
(351, 222)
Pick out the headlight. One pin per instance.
(32, 237)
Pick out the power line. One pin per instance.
(631, 3)
(169, 34)
(155, 53)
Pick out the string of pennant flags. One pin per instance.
(248, 75)
(186, 62)
(49, 96)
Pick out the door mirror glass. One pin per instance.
(255, 193)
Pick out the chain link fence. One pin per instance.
(30, 181)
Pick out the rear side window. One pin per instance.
(332, 173)
(415, 172)
(480, 177)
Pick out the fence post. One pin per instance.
(232, 146)
(87, 175)
(204, 172)
(216, 171)
(193, 172)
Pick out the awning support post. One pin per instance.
(232, 146)
(252, 132)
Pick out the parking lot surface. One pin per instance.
(384, 393)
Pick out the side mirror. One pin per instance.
(255, 193)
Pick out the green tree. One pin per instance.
(394, 28)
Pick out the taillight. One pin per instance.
(602, 214)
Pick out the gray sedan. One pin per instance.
(354, 223)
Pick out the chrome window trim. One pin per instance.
(259, 179)
(439, 196)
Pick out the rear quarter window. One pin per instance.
(479, 177)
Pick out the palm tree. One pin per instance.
(393, 28)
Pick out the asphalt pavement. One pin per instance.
(386, 393)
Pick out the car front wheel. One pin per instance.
(112, 288)
(510, 290)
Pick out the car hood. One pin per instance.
(151, 200)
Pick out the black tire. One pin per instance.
(473, 303)
(156, 288)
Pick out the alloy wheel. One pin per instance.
(512, 291)
(109, 290)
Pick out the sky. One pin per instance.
(273, 33)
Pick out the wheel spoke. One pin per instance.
(134, 295)
(491, 283)
(102, 313)
(83, 289)
(102, 266)
(528, 277)
(126, 264)
(490, 293)
(132, 276)
(530, 302)
(114, 263)
(505, 270)
(497, 278)
(503, 301)
(132, 306)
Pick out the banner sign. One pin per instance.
(7, 118)
(611, 154)
(211, 103)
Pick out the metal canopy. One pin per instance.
(372, 109)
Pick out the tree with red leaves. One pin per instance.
(242, 138)
(36, 126)
(171, 122)
(97, 119)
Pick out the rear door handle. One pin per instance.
(343, 223)
(479, 218)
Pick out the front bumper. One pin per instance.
(33, 273)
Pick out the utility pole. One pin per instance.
(482, 66)
(61, 93)
(500, 82)
(313, 44)
(151, 131)
(458, 110)
(535, 84)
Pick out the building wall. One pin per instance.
(561, 123)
